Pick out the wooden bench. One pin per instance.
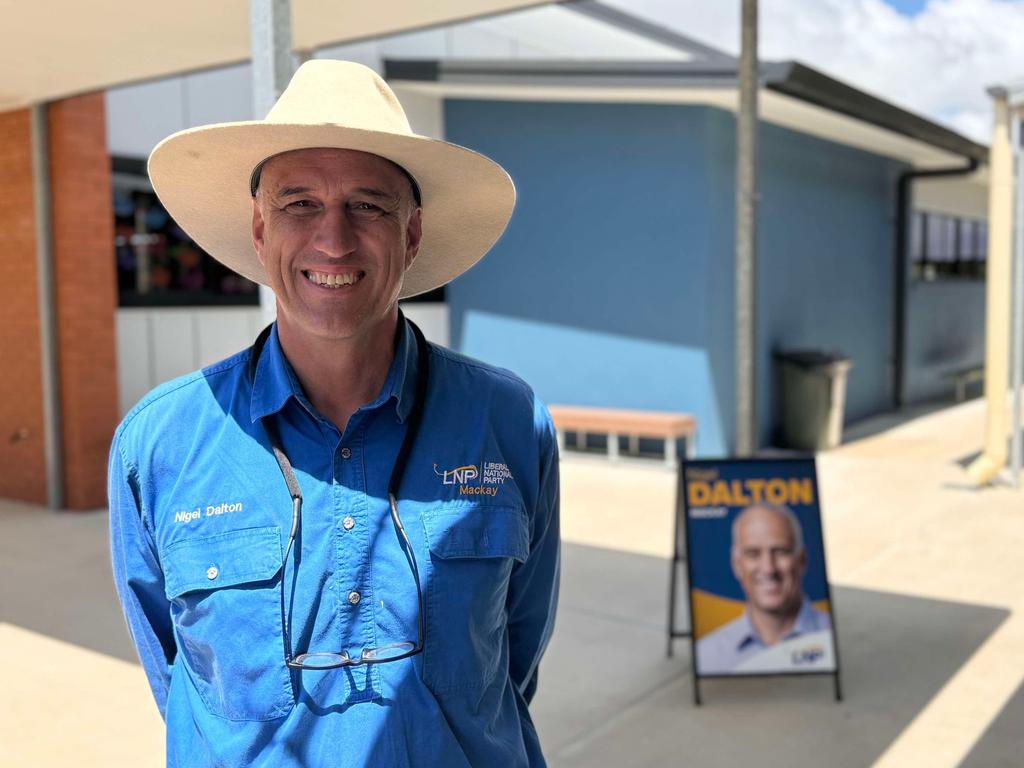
(964, 376)
(634, 424)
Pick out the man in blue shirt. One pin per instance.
(339, 547)
(769, 561)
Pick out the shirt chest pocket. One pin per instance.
(473, 549)
(225, 603)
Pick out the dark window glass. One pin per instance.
(158, 264)
(944, 246)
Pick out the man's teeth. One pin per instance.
(331, 281)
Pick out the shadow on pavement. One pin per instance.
(1002, 743)
(609, 697)
(55, 578)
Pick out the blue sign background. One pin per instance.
(710, 539)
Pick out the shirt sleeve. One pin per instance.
(533, 591)
(138, 577)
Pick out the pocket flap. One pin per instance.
(222, 560)
(477, 531)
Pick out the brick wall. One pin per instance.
(86, 290)
(22, 458)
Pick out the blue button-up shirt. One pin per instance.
(200, 516)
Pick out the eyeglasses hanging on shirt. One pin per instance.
(392, 651)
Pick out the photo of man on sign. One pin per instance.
(762, 556)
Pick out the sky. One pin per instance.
(934, 57)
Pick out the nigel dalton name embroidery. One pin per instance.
(211, 510)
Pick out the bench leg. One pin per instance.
(670, 453)
(613, 446)
(634, 445)
(961, 390)
(581, 441)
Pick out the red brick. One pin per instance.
(86, 291)
(22, 445)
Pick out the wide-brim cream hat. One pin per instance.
(202, 175)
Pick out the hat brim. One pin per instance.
(201, 176)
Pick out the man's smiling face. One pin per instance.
(335, 230)
(768, 561)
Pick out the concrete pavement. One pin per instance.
(926, 575)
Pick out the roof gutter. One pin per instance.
(904, 188)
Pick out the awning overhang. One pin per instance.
(52, 50)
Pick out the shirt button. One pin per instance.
(212, 572)
(354, 598)
(346, 453)
(348, 523)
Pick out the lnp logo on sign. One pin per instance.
(491, 476)
(809, 654)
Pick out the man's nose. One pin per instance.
(335, 235)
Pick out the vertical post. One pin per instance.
(270, 27)
(986, 467)
(746, 235)
(1017, 305)
(42, 202)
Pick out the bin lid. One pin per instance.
(813, 358)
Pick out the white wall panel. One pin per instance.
(432, 318)
(140, 116)
(222, 332)
(172, 343)
(134, 369)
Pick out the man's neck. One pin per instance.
(340, 375)
(773, 627)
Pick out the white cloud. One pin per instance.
(937, 63)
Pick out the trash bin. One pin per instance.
(813, 393)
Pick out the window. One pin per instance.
(157, 263)
(944, 246)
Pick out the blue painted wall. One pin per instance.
(826, 241)
(945, 331)
(613, 284)
(601, 290)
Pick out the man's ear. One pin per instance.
(413, 235)
(734, 561)
(257, 230)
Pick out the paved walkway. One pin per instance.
(926, 571)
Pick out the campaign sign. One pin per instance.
(759, 594)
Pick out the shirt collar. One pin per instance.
(275, 380)
(804, 623)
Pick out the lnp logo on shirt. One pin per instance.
(490, 474)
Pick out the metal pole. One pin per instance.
(52, 434)
(1017, 306)
(746, 235)
(270, 24)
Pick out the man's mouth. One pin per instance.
(331, 280)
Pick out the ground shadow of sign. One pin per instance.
(609, 697)
(1000, 745)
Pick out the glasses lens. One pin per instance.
(386, 652)
(322, 660)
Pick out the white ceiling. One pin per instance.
(55, 48)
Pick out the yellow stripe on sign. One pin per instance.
(712, 611)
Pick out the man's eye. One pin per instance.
(366, 208)
(299, 205)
